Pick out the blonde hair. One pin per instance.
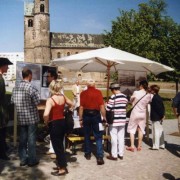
(55, 87)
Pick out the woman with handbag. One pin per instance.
(54, 117)
(117, 103)
(140, 99)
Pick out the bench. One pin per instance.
(74, 139)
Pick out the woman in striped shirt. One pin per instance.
(117, 102)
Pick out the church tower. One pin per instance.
(41, 32)
(37, 32)
(29, 32)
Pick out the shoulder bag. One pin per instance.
(110, 114)
(128, 114)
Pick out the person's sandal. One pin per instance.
(57, 173)
(56, 168)
(139, 148)
(130, 149)
(48, 153)
(53, 156)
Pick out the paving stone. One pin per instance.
(143, 165)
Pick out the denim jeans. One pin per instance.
(27, 144)
(91, 122)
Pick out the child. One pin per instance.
(157, 116)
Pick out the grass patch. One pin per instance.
(167, 99)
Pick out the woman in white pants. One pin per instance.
(117, 102)
(157, 116)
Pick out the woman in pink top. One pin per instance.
(54, 117)
(137, 119)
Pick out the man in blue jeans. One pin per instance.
(90, 111)
(26, 98)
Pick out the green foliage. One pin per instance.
(167, 99)
(114, 76)
(150, 33)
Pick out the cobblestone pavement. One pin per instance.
(146, 164)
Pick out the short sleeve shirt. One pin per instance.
(91, 99)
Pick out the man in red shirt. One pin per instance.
(90, 111)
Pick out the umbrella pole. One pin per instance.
(15, 128)
(108, 78)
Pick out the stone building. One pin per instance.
(13, 57)
(42, 46)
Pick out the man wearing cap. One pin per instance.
(117, 103)
(4, 62)
(90, 111)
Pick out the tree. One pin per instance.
(150, 33)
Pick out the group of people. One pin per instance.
(137, 121)
(92, 115)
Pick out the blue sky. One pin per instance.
(70, 16)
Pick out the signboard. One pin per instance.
(129, 81)
(39, 76)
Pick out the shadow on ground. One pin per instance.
(169, 176)
(11, 169)
(174, 149)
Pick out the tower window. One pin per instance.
(68, 53)
(58, 55)
(30, 23)
(42, 8)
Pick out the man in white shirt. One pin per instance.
(76, 90)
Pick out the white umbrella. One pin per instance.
(106, 59)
